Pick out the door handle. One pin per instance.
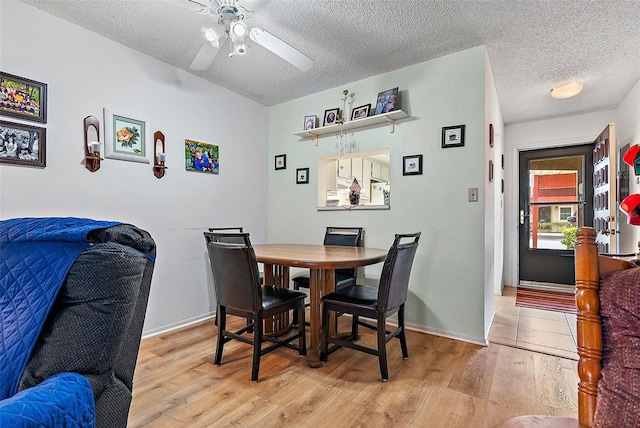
(522, 216)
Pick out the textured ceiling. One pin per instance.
(531, 44)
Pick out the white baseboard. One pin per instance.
(177, 325)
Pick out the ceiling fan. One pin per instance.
(230, 24)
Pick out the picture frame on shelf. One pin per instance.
(281, 162)
(361, 112)
(302, 176)
(331, 116)
(23, 98)
(412, 165)
(125, 137)
(453, 136)
(386, 101)
(201, 157)
(23, 145)
(310, 122)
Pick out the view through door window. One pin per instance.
(555, 202)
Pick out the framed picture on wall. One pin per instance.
(201, 157)
(23, 145)
(125, 137)
(330, 116)
(412, 165)
(281, 162)
(23, 98)
(453, 136)
(302, 176)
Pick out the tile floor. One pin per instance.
(537, 330)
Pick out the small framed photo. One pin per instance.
(23, 98)
(302, 176)
(330, 116)
(491, 135)
(281, 162)
(360, 112)
(23, 144)
(490, 171)
(125, 137)
(412, 165)
(386, 101)
(453, 136)
(201, 157)
(310, 122)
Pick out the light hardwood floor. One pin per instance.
(444, 383)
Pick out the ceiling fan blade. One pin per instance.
(205, 57)
(194, 5)
(253, 5)
(282, 49)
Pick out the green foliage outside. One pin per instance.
(569, 237)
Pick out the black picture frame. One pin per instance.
(361, 112)
(24, 145)
(412, 165)
(387, 101)
(23, 98)
(453, 136)
(310, 122)
(302, 176)
(280, 162)
(331, 116)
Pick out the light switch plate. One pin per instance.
(473, 194)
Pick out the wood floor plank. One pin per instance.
(444, 383)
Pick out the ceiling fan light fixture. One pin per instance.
(238, 49)
(238, 31)
(214, 35)
(567, 90)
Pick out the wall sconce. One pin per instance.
(92, 148)
(160, 156)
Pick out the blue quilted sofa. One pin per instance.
(73, 297)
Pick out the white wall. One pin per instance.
(628, 132)
(564, 131)
(447, 287)
(494, 204)
(86, 72)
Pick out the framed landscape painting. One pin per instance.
(23, 98)
(23, 145)
(201, 157)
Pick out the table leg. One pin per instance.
(321, 282)
(278, 276)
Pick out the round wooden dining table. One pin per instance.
(321, 260)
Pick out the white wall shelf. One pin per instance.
(379, 119)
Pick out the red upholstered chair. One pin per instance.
(608, 300)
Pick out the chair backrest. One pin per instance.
(346, 237)
(227, 237)
(394, 281)
(235, 273)
(225, 234)
(590, 268)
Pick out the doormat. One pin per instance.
(547, 300)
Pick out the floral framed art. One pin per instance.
(330, 116)
(360, 112)
(23, 145)
(23, 98)
(412, 165)
(302, 176)
(202, 157)
(281, 162)
(452, 136)
(125, 137)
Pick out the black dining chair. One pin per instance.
(240, 293)
(376, 303)
(344, 236)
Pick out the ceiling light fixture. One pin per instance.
(214, 35)
(238, 31)
(566, 90)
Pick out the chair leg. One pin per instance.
(325, 333)
(354, 327)
(401, 335)
(382, 349)
(221, 321)
(257, 347)
(302, 342)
